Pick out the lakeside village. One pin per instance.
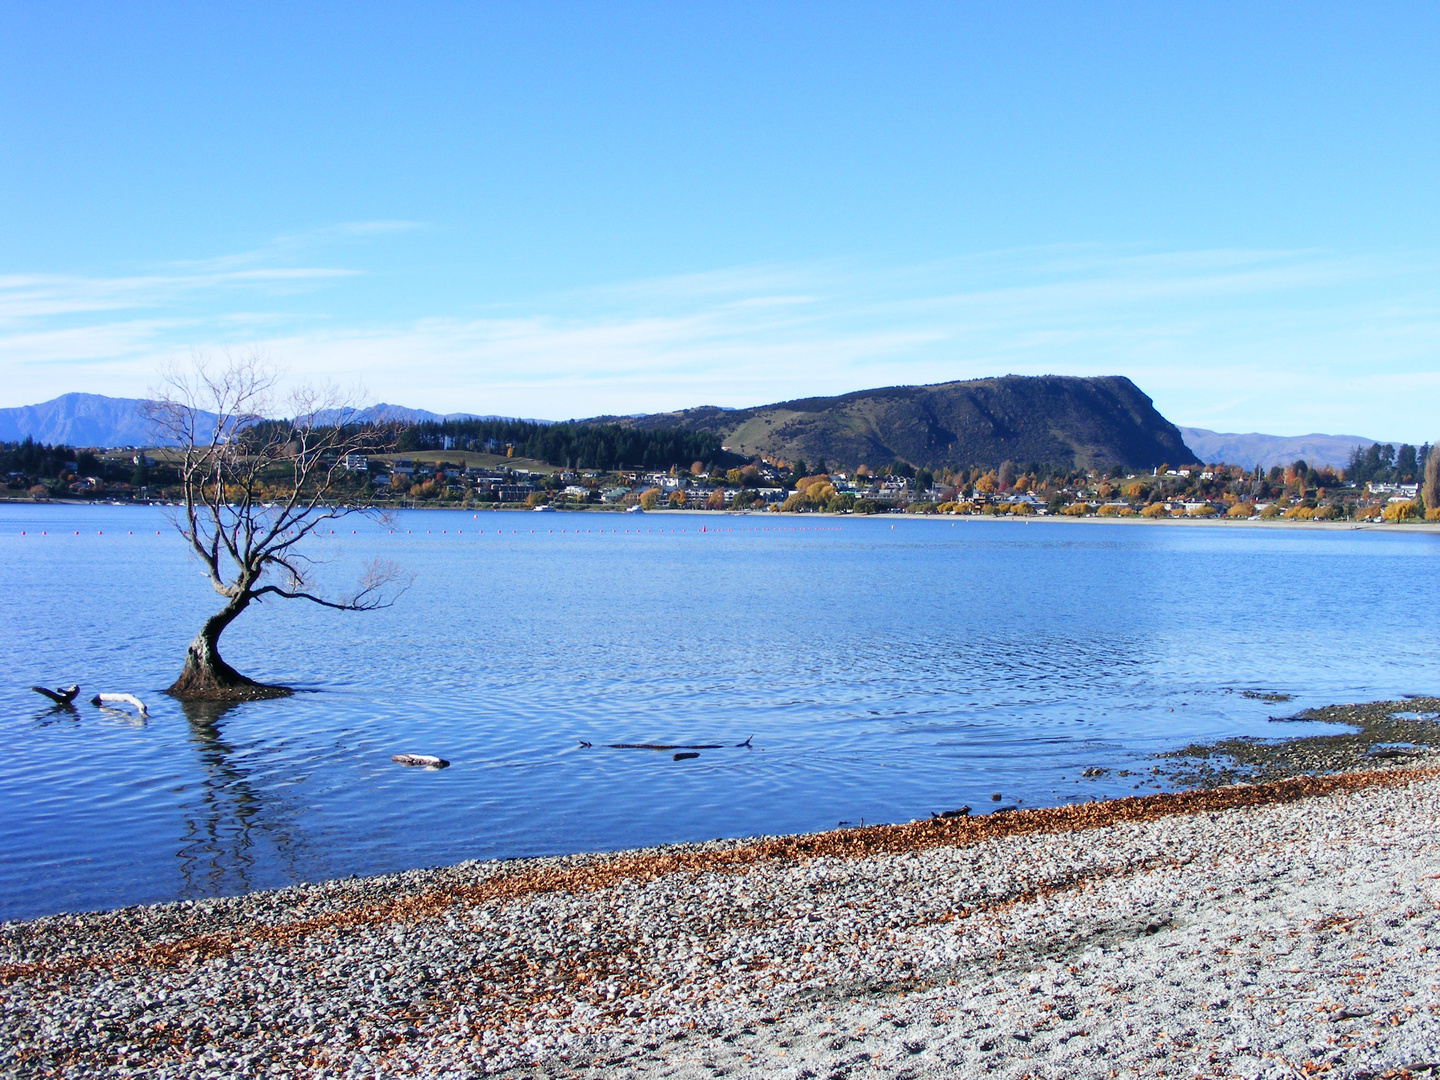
(1382, 483)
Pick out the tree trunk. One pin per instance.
(207, 677)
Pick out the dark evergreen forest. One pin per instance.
(1386, 464)
(578, 446)
(38, 459)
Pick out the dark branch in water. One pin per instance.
(61, 696)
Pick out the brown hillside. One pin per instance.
(1060, 420)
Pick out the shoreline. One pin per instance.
(941, 947)
(1432, 527)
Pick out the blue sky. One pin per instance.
(559, 209)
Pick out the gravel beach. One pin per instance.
(1275, 929)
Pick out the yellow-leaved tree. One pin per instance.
(821, 491)
(1430, 484)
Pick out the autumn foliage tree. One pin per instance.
(1430, 485)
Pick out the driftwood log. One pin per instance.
(62, 695)
(423, 760)
(121, 699)
(668, 746)
(664, 746)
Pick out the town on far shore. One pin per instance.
(1381, 483)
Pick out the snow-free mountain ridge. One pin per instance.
(95, 420)
(1253, 448)
(99, 421)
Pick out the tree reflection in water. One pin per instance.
(220, 849)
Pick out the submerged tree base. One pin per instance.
(188, 691)
(206, 677)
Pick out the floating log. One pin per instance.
(683, 757)
(121, 699)
(62, 695)
(664, 746)
(424, 761)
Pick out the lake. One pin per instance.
(881, 668)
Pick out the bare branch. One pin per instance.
(380, 585)
(260, 475)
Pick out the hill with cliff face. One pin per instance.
(1058, 420)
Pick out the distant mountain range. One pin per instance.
(1063, 420)
(1254, 449)
(98, 421)
(1060, 420)
(78, 420)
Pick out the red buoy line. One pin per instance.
(705, 529)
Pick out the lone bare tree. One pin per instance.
(255, 491)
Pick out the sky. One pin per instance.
(561, 210)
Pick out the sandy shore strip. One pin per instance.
(1275, 929)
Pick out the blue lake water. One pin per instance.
(885, 669)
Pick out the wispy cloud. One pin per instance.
(297, 246)
(1287, 341)
(28, 298)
